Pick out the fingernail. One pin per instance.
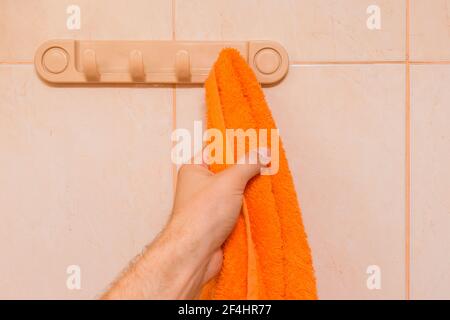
(264, 156)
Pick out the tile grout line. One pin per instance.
(411, 62)
(13, 62)
(293, 63)
(408, 156)
(174, 103)
(174, 126)
(173, 20)
(443, 62)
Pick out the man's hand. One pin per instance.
(188, 253)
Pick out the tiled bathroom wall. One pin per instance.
(86, 177)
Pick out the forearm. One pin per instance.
(168, 269)
(188, 252)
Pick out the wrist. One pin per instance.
(192, 237)
(181, 259)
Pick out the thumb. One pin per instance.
(247, 167)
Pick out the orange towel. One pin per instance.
(267, 255)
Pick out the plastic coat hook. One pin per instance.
(137, 66)
(90, 68)
(151, 62)
(183, 66)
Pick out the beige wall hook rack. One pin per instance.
(151, 62)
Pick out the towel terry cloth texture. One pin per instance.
(267, 256)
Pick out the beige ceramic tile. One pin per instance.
(430, 30)
(25, 24)
(309, 29)
(430, 182)
(343, 129)
(85, 180)
(191, 112)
